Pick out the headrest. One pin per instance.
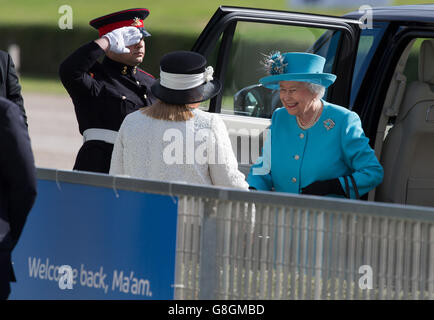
(426, 62)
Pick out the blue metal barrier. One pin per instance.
(119, 244)
(144, 239)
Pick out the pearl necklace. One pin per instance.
(311, 122)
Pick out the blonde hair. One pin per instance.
(166, 111)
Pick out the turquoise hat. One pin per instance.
(295, 66)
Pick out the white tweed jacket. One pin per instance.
(195, 151)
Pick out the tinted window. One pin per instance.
(368, 43)
(251, 43)
(326, 46)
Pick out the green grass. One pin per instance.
(188, 16)
(41, 85)
(166, 15)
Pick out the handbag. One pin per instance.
(347, 187)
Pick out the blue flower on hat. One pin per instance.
(274, 63)
(295, 66)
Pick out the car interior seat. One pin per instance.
(392, 102)
(408, 150)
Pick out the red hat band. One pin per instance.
(136, 22)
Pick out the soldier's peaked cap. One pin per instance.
(124, 18)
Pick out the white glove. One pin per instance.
(122, 37)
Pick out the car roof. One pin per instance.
(418, 12)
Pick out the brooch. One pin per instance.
(329, 124)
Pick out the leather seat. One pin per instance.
(408, 150)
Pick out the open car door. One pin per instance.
(235, 42)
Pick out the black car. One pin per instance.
(384, 62)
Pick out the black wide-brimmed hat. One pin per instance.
(185, 79)
(124, 18)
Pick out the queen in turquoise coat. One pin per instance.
(312, 146)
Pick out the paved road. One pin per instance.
(53, 130)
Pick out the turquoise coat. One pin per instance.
(334, 147)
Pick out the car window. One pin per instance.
(212, 61)
(368, 43)
(251, 43)
(326, 46)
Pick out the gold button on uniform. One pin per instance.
(294, 180)
(296, 157)
(301, 135)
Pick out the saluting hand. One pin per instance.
(121, 38)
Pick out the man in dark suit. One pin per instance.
(17, 186)
(9, 86)
(104, 93)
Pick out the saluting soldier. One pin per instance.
(104, 93)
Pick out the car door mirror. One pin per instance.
(253, 101)
(256, 101)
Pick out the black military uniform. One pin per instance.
(104, 93)
(17, 186)
(9, 85)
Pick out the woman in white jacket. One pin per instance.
(173, 140)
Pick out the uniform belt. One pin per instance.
(105, 135)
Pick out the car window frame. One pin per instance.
(223, 24)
